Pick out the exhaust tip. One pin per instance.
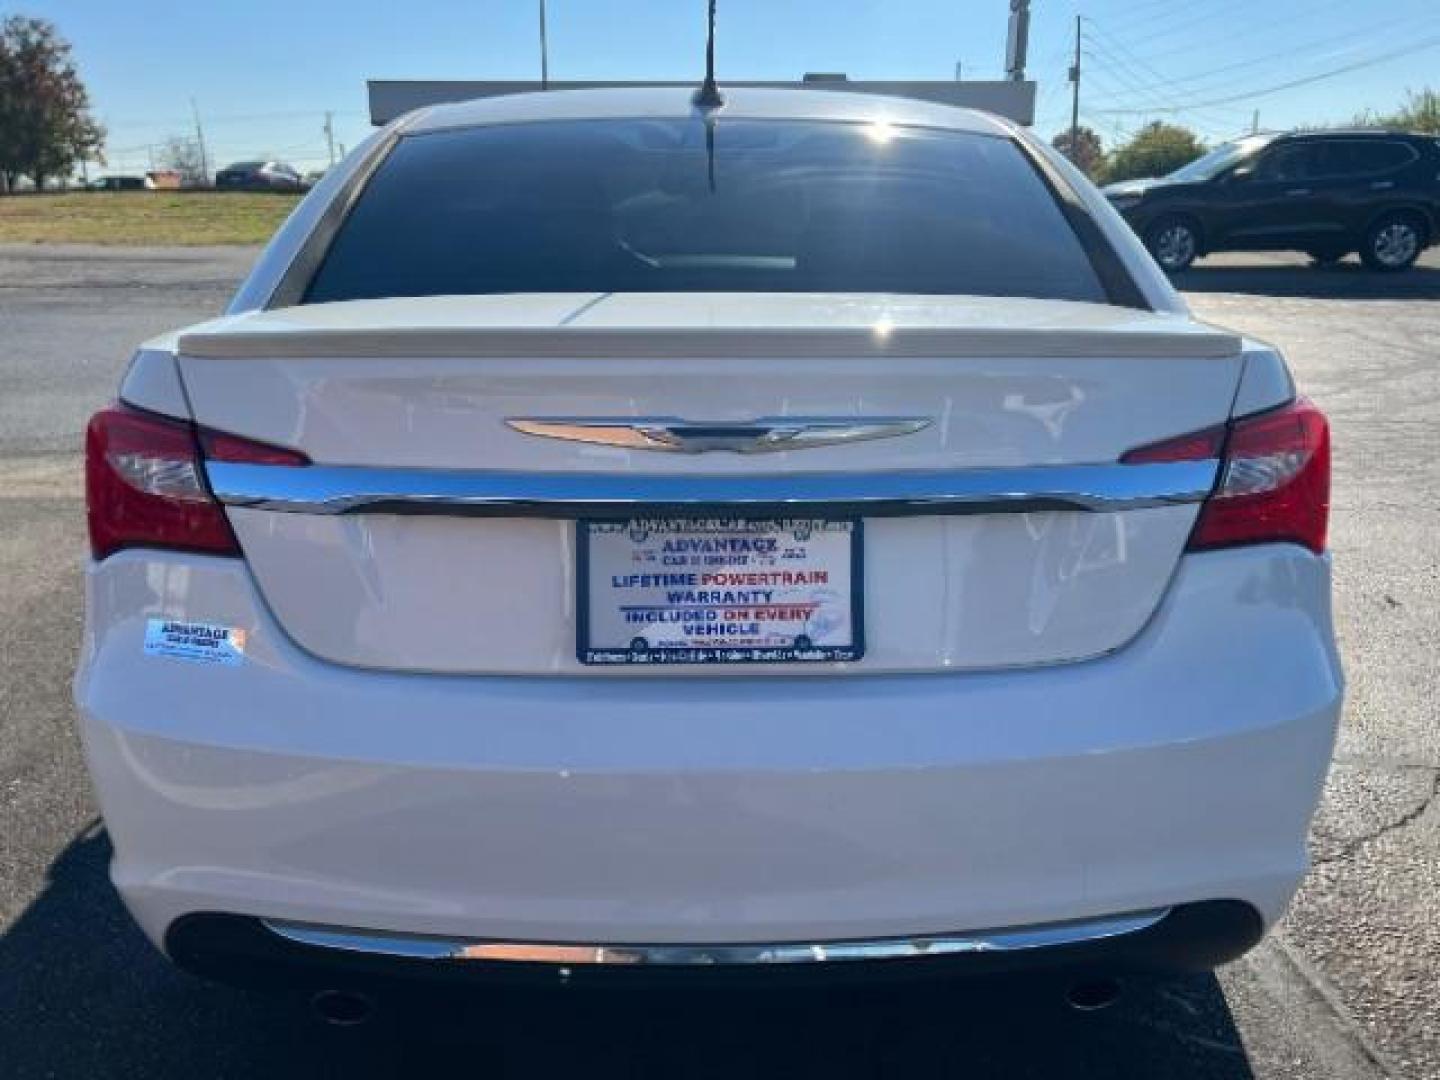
(1092, 995)
(342, 1008)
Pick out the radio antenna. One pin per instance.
(709, 96)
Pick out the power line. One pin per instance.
(1169, 10)
(1059, 59)
(1184, 26)
(1420, 46)
(1140, 68)
(1140, 84)
(1119, 52)
(308, 144)
(1211, 74)
(230, 118)
(1168, 94)
(1145, 12)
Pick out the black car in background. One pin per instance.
(259, 176)
(120, 183)
(1325, 193)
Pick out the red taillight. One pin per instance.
(218, 446)
(1197, 446)
(1274, 484)
(145, 486)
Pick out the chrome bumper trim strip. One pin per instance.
(334, 489)
(425, 947)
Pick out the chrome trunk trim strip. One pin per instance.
(427, 947)
(768, 435)
(335, 489)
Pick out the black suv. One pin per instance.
(1326, 193)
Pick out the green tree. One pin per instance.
(1156, 150)
(1088, 154)
(45, 122)
(1421, 112)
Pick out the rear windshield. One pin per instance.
(674, 206)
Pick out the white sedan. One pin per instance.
(609, 536)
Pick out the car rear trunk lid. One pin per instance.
(423, 394)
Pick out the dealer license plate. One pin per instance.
(719, 591)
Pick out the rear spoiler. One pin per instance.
(718, 342)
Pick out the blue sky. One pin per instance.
(264, 72)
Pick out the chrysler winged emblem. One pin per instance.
(765, 436)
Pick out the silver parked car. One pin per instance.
(259, 176)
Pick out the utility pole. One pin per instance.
(544, 51)
(200, 138)
(1075, 97)
(1017, 42)
(330, 136)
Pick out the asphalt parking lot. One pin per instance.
(1347, 987)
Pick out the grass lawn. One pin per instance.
(142, 217)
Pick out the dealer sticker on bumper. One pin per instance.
(202, 642)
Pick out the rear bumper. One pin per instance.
(1181, 769)
(250, 952)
